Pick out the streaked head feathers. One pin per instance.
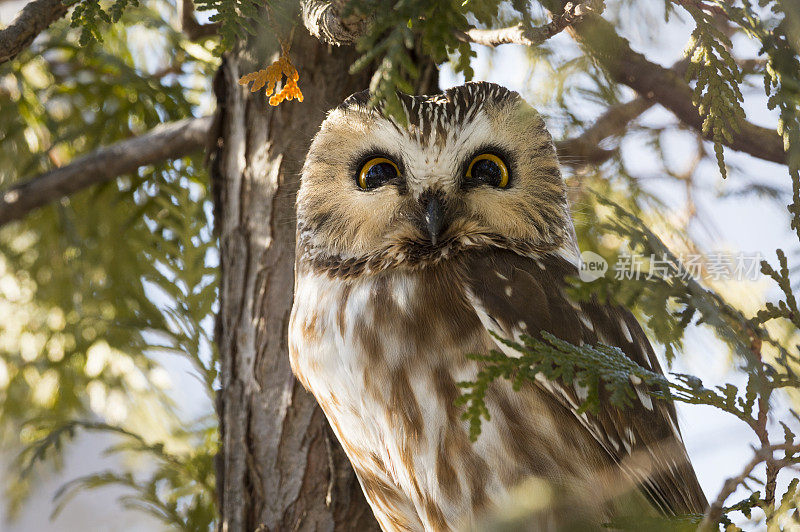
(344, 226)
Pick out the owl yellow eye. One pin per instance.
(376, 172)
(488, 169)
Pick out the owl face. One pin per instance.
(474, 166)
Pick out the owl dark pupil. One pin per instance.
(486, 171)
(379, 174)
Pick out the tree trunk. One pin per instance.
(280, 467)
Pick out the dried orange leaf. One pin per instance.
(271, 76)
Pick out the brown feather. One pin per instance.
(537, 299)
(384, 315)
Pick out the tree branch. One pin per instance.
(527, 36)
(699, 4)
(584, 149)
(189, 25)
(323, 21)
(653, 82)
(666, 87)
(752, 66)
(34, 18)
(167, 141)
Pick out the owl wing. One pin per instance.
(513, 294)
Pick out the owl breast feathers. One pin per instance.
(417, 238)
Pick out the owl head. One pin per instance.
(472, 167)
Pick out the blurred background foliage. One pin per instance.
(94, 289)
(97, 289)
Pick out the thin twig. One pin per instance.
(585, 148)
(763, 438)
(528, 36)
(176, 68)
(752, 66)
(714, 511)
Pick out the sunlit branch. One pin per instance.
(324, 21)
(34, 18)
(527, 36)
(585, 148)
(168, 141)
(752, 66)
(653, 82)
(666, 87)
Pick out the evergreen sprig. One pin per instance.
(668, 297)
(237, 18)
(786, 308)
(179, 491)
(716, 93)
(89, 14)
(594, 368)
(781, 79)
(608, 375)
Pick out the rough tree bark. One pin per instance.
(279, 468)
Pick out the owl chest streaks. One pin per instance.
(383, 354)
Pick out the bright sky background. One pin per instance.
(717, 443)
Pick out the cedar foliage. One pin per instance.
(88, 322)
(99, 289)
(716, 93)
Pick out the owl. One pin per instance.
(418, 241)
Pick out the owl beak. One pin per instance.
(434, 218)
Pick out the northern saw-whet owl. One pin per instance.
(414, 241)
